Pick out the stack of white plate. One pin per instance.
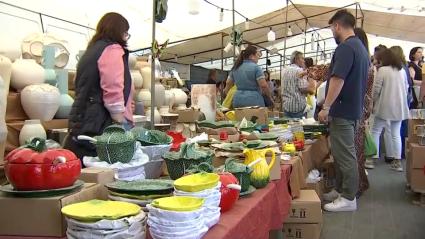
(211, 205)
(166, 224)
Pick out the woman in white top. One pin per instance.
(390, 102)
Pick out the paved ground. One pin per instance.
(385, 211)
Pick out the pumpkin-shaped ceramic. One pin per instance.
(26, 72)
(146, 75)
(40, 101)
(137, 79)
(144, 96)
(157, 115)
(180, 96)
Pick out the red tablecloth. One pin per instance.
(251, 217)
(254, 216)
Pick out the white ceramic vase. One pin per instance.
(146, 75)
(159, 94)
(137, 79)
(31, 129)
(144, 96)
(40, 101)
(179, 96)
(157, 115)
(132, 60)
(181, 107)
(3, 127)
(26, 72)
(168, 95)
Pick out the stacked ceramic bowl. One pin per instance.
(177, 217)
(205, 186)
(140, 192)
(105, 219)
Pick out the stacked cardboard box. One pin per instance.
(40, 216)
(297, 177)
(100, 176)
(305, 217)
(413, 138)
(415, 167)
(260, 112)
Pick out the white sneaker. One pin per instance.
(341, 204)
(369, 164)
(331, 196)
(396, 165)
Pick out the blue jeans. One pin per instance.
(298, 115)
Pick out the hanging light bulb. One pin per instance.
(228, 47)
(225, 62)
(221, 15)
(242, 47)
(303, 35)
(271, 36)
(402, 9)
(212, 62)
(312, 43)
(246, 24)
(289, 33)
(194, 7)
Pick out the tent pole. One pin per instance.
(356, 13)
(41, 22)
(267, 58)
(153, 68)
(286, 31)
(280, 67)
(233, 30)
(222, 68)
(305, 35)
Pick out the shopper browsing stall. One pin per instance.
(390, 102)
(249, 80)
(415, 68)
(295, 87)
(343, 108)
(103, 85)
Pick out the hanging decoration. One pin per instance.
(235, 40)
(158, 49)
(289, 33)
(271, 36)
(194, 7)
(161, 10)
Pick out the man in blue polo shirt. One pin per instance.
(343, 108)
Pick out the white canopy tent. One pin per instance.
(403, 23)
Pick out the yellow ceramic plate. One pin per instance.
(197, 182)
(95, 210)
(177, 203)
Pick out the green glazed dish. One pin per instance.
(142, 187)
(215, 125)
(151, 137)
(241, 171)
(8, 189)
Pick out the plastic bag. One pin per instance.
(370, 149)
(228, 101)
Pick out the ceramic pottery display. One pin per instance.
(26, 72)
(66, 101)
(32, 48)
(144, 96)
(157, 115)
(180, 98)
(48, 63)
(34, 167)
(204, 97)
(3, 127)
(137, 79)
(40, 101)
(132, 61)
(181, 107)
(159, 94)
(151, 137)
(229, 193)
(114, 145)
(142, 187)
(5, 73)
(260, 175)
(146, 75)
(164, 110)
(31, 129)
(9, 189)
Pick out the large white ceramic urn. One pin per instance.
(40, 101)
(26, 72)
(180, 96)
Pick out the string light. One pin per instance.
(289, 33)
(271, 36)
(194, 7)
(221, 15)
(247, 24)
(402, 9)
(312, 42)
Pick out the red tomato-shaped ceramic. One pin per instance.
(230, 189)
(33, 167)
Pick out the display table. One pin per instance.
(254, 216)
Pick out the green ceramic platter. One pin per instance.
(215, 125)
(151, 137)
(240, 146)
(142, 187)
(250, 190)
(8, 189)
(267, 136)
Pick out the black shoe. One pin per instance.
(388, 160)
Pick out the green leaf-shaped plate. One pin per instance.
(142, 187)
(151, 137)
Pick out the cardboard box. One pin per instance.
(297, 178)
(248, 112)
(14, 128)
(14, 110)
(319, 151)
(415, 167)
(275, 171)
(318, 187)
(3, 179)
(100, 176)
(305, 209)
(188, 115)
(2, 151)
(301, 231)
(328, 174)
(40, 216)
(307, 162)
(413, 138)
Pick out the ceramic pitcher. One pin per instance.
(260, 175)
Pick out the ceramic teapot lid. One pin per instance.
(114, 134)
